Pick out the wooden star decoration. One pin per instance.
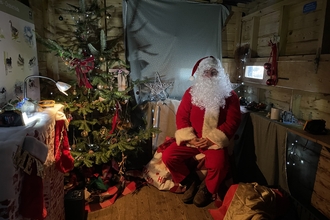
(158, 88)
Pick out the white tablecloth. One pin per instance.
(43, 128)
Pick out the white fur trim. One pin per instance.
(219, 138)
(184, 134)
(36, 148)
(211, 132)
(211, 118)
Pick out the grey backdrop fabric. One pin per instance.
(168, 37)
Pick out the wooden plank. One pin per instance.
(297, 8)
(142, 197)
(246, 32)
(303, 20)
(321, 194)
(231, 28)
(323, 43)
(238, 33)
(301, 48)
(149, 203)
(283, 29)
(269, 8)
(269, 24)
(280, 98)
(157, 204)
(316, 101)
(254, 36)
(308, 79)
(303, 35)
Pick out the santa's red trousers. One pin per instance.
(177, 159)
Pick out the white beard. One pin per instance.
(211, 93)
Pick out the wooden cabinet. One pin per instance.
(288, 157)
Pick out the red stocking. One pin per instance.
(32, 197)
(63, 158)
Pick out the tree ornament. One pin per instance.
(103, 131)
(90, 152)
(84, 133)
(74, 92)
(158, 88)
(60, 18)
(93, 147)
(113, 141)
(99, 86)
(73, 146)
(121, 74)
(82, 67)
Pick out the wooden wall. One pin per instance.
(303, 61)
(304, 56)
(48, 25)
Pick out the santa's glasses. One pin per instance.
(210, 72)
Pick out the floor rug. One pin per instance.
(112, 194)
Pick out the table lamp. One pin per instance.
(60, 85)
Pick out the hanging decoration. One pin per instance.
(115, 118)
(271, 67)
(158, 88)
(82, 67)
(121, 74)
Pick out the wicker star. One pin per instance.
(158, 88)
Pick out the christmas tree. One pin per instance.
(100, 104)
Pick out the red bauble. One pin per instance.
(269, 72)
(267, 66)
(270, 82)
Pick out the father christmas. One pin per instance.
(207, 118)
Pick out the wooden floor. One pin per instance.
(151, 204)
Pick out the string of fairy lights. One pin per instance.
(295, 151)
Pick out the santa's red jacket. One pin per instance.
(217, 126)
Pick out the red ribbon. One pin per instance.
(114, 119)
(82, 67)
(273, 55)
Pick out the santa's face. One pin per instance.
(211, 72)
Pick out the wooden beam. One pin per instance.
(283, 29)
(324, 34)
(254, 36)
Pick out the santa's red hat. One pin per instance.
(203, 64)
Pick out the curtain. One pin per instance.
(165, 38)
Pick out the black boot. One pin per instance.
(192, 183)
(203, 197)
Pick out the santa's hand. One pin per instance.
(199, 143)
